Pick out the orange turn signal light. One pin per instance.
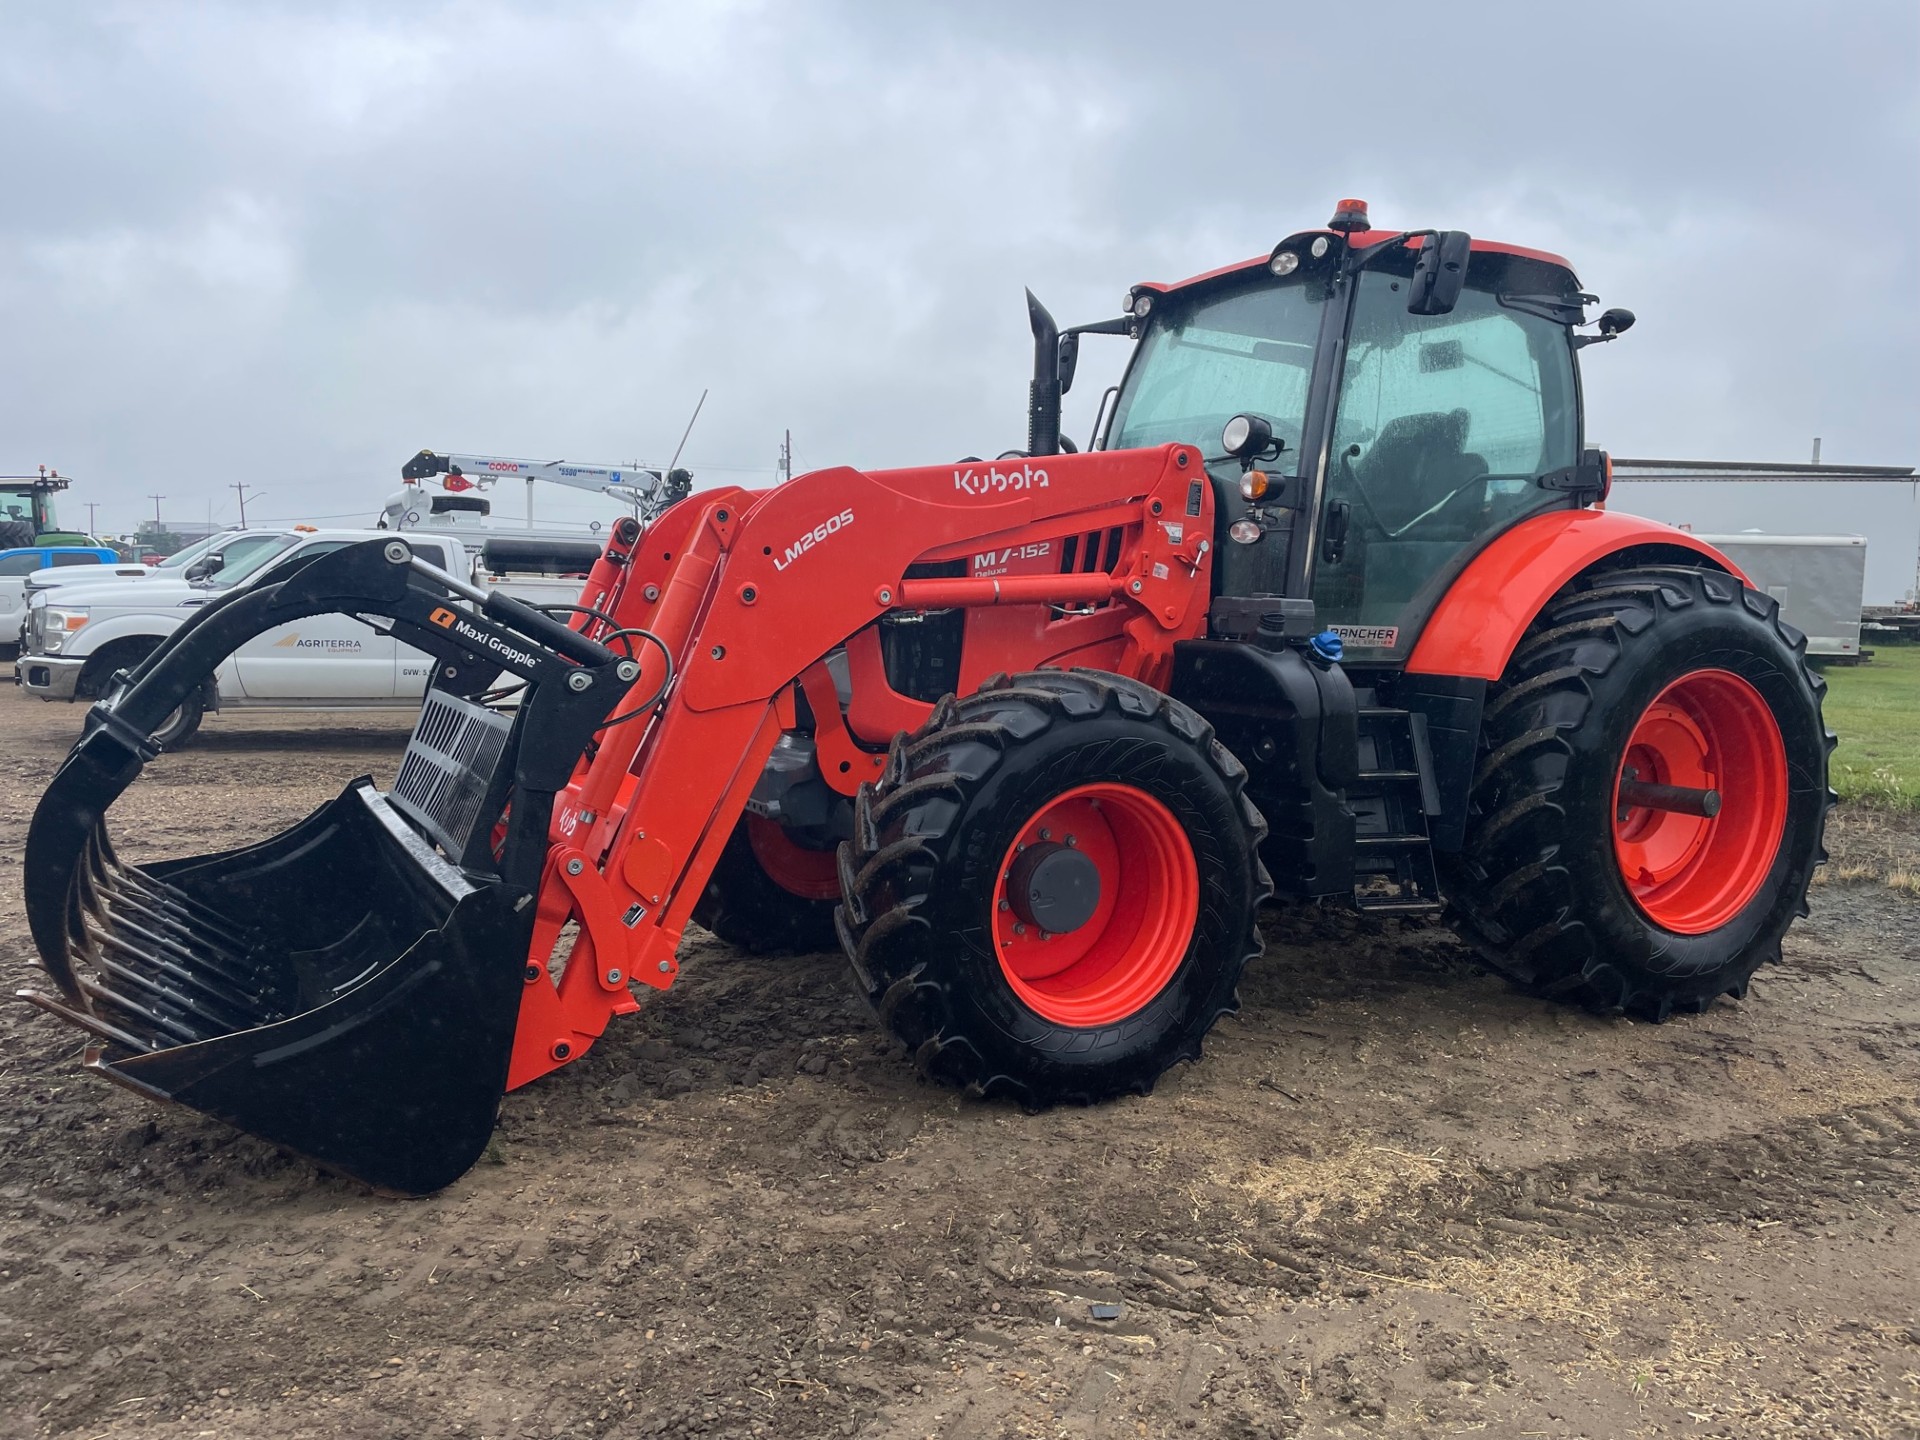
(1253, 485)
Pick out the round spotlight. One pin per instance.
(1320, 246)
(1285, 262)
(1245, 435)
(1244, 532)
(1142, 305)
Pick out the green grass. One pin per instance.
(1875, 710)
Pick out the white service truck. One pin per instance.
(78, 635)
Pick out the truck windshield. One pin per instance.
(1248, 351)
(247, 555)
(180, 559)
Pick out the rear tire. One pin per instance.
(769, 895)
(16, 534)
(1097, 776)
(1686, 677)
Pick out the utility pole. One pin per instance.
(786, 457)
(1816, 450)
(92, 531)
(240, 488)
(156, 509)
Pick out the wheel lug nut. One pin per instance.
(1071, 842)
(1018, 928)
(1005, 905)
(1045, 834)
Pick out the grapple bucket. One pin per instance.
(349, 987)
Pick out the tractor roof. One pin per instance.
(1356, 239)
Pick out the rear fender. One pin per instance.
(1478, 624)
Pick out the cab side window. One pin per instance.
(22, 564)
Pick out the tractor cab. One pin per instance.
(1390, 431)
(27, 511)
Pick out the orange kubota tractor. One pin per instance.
(1331, 610)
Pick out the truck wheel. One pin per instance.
(770, 894)
(180, 726)
(1051, 892)
(1651, 796)
(16, 534)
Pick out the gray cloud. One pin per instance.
(292, 243)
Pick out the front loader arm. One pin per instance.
(749, 591)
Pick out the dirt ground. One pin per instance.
(1395, 1199)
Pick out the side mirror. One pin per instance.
(1440, 273)
(205, 566)
(1615, 322)
(1069, 360)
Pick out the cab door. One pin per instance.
(324, 657)
(1442, 428)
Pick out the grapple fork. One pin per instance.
(349, 987)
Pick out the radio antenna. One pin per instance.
(688, 431)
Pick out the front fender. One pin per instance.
(1474, 630)
(96, 635)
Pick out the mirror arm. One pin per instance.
(1358, 260)
(1119, 325)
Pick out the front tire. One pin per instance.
(770, 895)
(1678, 679)
(1051, 893)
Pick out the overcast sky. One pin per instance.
(291, 244)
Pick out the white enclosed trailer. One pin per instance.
(1819, 580)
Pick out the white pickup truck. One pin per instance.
(77, 635)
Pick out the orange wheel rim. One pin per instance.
(810, 874)
(1128, 948)
(1710, 730)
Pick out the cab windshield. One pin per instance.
(1244, 352)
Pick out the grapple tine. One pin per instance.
(130, 1008)
(237, 1009)
(85, 1020)
(178, 939)
(167, 900)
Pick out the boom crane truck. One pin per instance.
(1331, 610)
(648, 490)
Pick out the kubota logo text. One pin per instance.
(813, 537)
(995, 481)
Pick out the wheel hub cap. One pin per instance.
(1053, 887)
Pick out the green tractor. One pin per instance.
(26, 511)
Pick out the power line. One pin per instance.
(156, 510)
